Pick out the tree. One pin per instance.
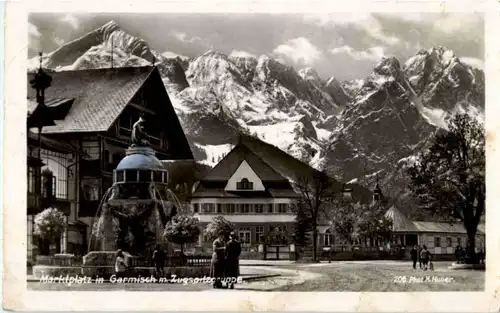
(218, 225)
(344, 218)
(182, 229)
(449, 177)
(316, 191)
(49, 225)
(302, 225)
(372, 223)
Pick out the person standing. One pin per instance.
(414, 256)
(419, 249)
(459, 253)
(425, 256)
(120, 264)
(159, 261)
(232, 266)
(218, 258)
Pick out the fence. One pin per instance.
(347, 252)
(175, 260)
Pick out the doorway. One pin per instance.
(411, 240)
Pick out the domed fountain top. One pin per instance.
(140, 165)
(140, 158)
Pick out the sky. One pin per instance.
(343, 45)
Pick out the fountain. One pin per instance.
(131, 216)
(133, 212)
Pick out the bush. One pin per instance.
(218, 225)
(182, 229)
(49, 224)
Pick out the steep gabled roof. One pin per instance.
(294, 169)
(228, 165)
(271, 164)
(100, 96)
(400, 223)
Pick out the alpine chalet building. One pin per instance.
(252, 188)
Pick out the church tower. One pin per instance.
(377, 193)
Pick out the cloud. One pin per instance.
(71, 20)
(241, 54)
(363, 21)
(371, 54)
(474, 62)
(33, 31)
(181, 36)
(59, 41)
(299, 50)
(458, 22)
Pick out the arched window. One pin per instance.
(328, 238)
(244, 184)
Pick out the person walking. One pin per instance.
(159, 261)
(218, 258)
(414, 256)
(120, 264)
(425, 256)
(232, 266)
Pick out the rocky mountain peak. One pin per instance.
(388, 66)
(96, 47)
(310, 74)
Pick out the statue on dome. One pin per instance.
(139, 136)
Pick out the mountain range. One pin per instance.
(359, 131)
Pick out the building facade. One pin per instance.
(94, 112)
(246, 191)
(253, 186)
(441, 238)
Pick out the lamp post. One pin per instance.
(40, 82)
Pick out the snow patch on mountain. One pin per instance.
(214, 153)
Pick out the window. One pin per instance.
(259, 208)
(244, 234)
(246, 208)
(130, 175)
(282, 207)
(259, 234)
(328, 238)
(32, 179)
(144, 176)
(244, 184)
(270, 208)
(208, 207)
(459, 241)
(158, 177)
(437, 242)
(448, 242)
(219, 208)
(196, 207)
(120, 177)
(57, 163)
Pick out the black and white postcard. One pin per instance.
(251, 156)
